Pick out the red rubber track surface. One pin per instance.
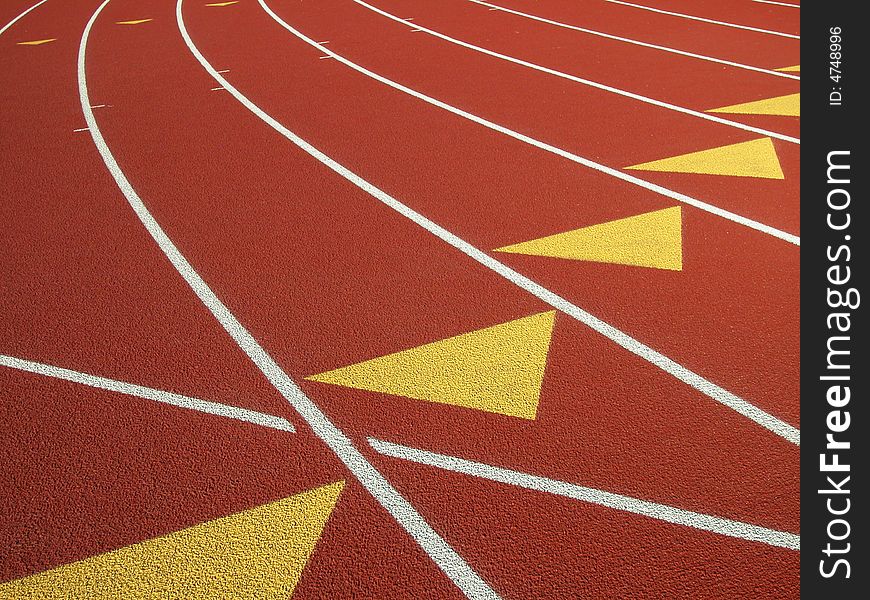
(324, 275)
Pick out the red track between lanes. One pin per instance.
(680, 80)
(752, 14)
(696, 36)
(323, 276)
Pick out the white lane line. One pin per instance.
(700, 204)
(720, 61)
(587, 82)
(778, 3)
(447, 559)
(705, 20)
(621, 338)
(21, 16)
(661, 512)
(147, 393)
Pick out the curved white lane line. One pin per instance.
(653, 510)
(587, 82)
(609, 36)
(147, 393)
(705, 20)
(621, 338)
(447, 559)
(21, 16)
(700, 204)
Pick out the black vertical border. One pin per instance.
(825, 128)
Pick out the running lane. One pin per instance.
(680, 80)
(459, 175)
(84, 288)
(308, 269)
(746, 13)
(694, 36)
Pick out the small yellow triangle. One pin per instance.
(784, 106)
(223, 3)
(652, 239)
(756, 158)
(258, 553)
(794, 69)
(37, 42)
(133, 22)
(498, 369)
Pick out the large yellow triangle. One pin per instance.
(652, 239)
(792, 69)
(37, 42)
(133, 22)
(259, 553)
(223, 3)
(785, 106)
(498, 369)
(756, 158)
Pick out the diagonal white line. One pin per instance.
(658, 359)
(618, 38)
(653, 510)
(705, 20)
(699, 204)
(21, 16)
(444, 556)
(147, 393)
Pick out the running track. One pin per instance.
(209, 209)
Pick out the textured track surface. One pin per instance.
(399, 299)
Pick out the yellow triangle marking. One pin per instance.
(36, 42)
(133, 22)
(794, 69)
(784, 106)
(756, 158)
(498, 369)
(223, 3)
(653, 239)
(258, 553)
